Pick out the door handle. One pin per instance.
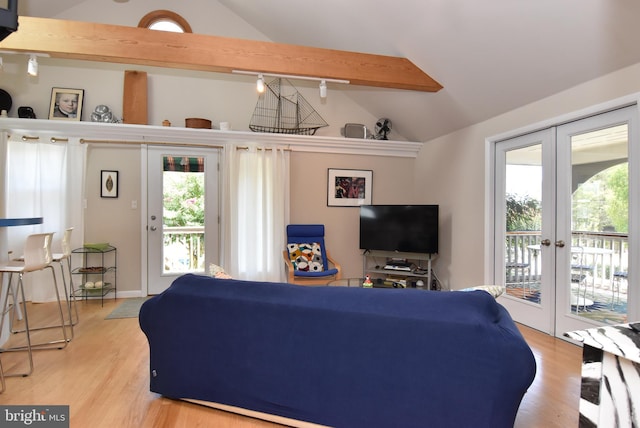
(545, 242)
(560, 243)
(153, 228)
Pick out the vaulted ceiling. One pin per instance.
(490, 56)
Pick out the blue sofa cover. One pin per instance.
(338, 356)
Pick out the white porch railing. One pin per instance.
(183, 249)
(521, 265)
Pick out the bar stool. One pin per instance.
(62, 259)
(3, 386)
(37, 257)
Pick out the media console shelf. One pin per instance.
(374, 262)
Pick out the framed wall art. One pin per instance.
(349, 187)
(66, 104)
(108, 184)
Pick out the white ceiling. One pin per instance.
(491, 56)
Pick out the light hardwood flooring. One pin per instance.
(103, 376)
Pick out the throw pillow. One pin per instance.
(495, 290)
(306, 256)
(218, 272)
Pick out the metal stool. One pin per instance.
(37, 257)
(63, 259)
(3, 386)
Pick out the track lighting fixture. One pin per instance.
(323, 89)
(32, 65)
(260, 84)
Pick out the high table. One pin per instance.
(4, 222)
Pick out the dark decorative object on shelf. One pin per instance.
(26, 112)
(5, 100)
(383, 127)
(284, 113)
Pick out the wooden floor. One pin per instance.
(103, 376)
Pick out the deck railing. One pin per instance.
(183, 249)
(520, 263)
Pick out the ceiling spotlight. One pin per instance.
(32, 66)
(323, 89)
(260, 84)
(1, 65)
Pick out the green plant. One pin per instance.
(523, 213)
(184, 200)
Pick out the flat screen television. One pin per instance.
(401, 228)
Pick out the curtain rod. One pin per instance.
(260, 148)
(153, 143)
(169, 143)
(26, 138)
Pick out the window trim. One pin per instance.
(160, 15)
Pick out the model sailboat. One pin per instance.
(278, 112)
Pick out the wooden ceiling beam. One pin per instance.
(132, 45)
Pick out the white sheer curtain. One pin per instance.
(43, 179)
(256, 212)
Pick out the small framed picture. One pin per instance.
(66, 104)
(349, 187)
(108, 184)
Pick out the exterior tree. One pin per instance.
(523, 213)
(603, 201)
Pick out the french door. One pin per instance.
(564, 225)
(182, 213)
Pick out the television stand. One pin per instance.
(415, 269)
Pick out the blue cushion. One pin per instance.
(307, 274)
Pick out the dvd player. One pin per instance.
(398, 267)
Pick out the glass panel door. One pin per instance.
(521, 263)
(593, 288)
(182, 229)
(564, 225)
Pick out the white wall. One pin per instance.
(177, 94)
(392, 184)
(113, 220)
(451, 171)
(173, 94)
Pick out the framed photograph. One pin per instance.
(66, 104)
(108, 184)
(349, 187)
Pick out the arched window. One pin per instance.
(165, 20)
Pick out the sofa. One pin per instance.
(338, 356)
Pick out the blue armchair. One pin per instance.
(306, 258)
